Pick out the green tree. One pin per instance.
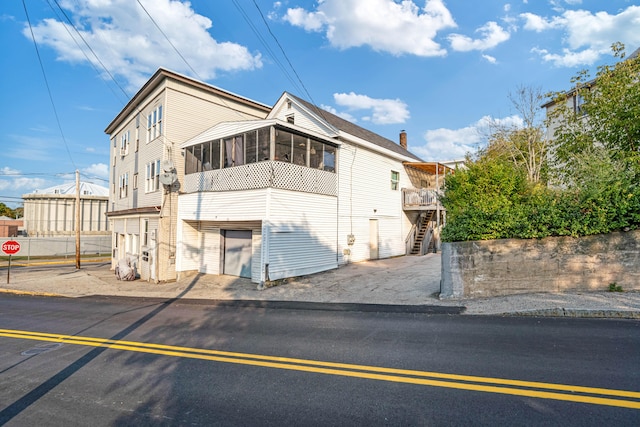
(6, 211)
(483, 201)
(525, 145)
(605, 115)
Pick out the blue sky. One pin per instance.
(437, 69)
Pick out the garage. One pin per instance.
(237, 252)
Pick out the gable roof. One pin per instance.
(353, 129)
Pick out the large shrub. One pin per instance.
(492, 199)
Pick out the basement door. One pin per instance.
(237, 253)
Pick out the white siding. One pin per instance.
(365, 193)
(210, 249)
(301, 119)
(188, 253)
(302, 234)
(250, 205)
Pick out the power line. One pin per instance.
(284, 53)
(264, 43)
(44, 74)
(168, 40)
(88, 47)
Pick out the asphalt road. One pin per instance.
(113, 361)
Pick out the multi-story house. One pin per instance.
(146, 138)
(203, 180)
(298, 192)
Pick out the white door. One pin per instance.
(237, 253)
(374, 252)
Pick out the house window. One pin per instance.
(291, 119)
(578, 106)
(124, 185)
(395, 180)
(135, 181)
(124, 144)
(152, 177)
(154, 124)
(145, 232)
(283, 146)
(234, 151)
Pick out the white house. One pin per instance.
(299, 192)
(145, 139)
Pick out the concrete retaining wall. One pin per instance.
(555, 264)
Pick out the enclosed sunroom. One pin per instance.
(259, 200)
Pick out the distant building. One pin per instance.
(10, 227)
(51, 212)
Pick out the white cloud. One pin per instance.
(491, 33)
(9, 171)
(538, 23)
(587, 35)
(452, 144)
(383, 111)
(14, 180)
(343, 114)
(384, 25)
(131, 47)
(490, 59)
(569, 58)
(100, 170)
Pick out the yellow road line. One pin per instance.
(462, 382)
(29, 293)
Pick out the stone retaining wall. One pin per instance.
(554, 264)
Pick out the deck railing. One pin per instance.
(420, 199)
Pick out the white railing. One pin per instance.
(267, 174)
(419, 198)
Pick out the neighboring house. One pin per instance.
(52, 212)
(146, 137)
(299, 192)
(574, 101)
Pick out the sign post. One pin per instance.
(10, 247)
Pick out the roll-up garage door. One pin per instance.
(237, 253)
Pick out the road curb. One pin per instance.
(30, 293)
(297, 305)
(581, 313)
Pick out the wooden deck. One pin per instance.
(423, 199)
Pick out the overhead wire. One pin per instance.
(106, 70)
(283, 52)
(265, 44)
(44, 74)
(245, 16)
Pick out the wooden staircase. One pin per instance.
(424, 232)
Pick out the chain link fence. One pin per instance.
(61, 246)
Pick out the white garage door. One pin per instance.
(237, 253)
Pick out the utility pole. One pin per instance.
(77, 219)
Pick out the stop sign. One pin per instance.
(10, 247)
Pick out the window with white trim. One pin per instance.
(154, 124)
(145, 232)
(395, 180)
(124, 185)
(152, 177)
(135, 181)
(124, 143)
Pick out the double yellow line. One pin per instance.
(571, 393)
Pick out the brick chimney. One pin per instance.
(403, 139)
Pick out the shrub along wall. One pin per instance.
(490, 268)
